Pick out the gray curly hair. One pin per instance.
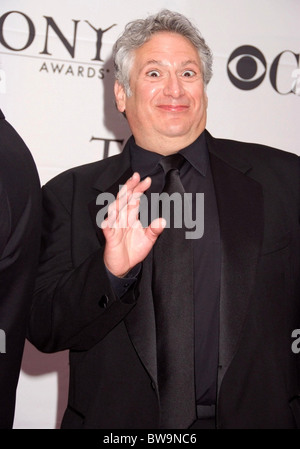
(140, 31)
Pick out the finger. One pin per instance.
(155, 228)
(143, 185)
(120, 201)
(134, 186)
(129, 202)
(127, 199)
(133, 215)
(137, 203)
(111, 214)
(108, 230)
(135, 197)
(125, 194)
(129, 185)
(130, 196)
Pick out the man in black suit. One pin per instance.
(234, 304)
(20, 224)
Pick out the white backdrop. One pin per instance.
(56, 90)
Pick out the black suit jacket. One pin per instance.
(113, 378)
(20, 229)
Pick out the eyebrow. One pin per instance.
(158, 62)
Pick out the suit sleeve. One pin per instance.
(20, 222)
(74, 307)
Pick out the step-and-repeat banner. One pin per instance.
(56, 89)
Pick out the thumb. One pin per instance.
(155, 228)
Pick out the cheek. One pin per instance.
(205, 100)
(201, 100)
(153, 91)
(148, 94)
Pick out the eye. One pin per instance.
(188, 73)
(153, 73)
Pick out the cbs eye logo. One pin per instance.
(247, 68)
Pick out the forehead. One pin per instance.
(165, 45)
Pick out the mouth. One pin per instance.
(173, 108)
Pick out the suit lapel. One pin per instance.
(240, 206)
(140, 322)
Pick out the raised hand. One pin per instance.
(127, 242)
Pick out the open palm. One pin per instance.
(127, 241)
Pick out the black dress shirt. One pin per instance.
(196, 177)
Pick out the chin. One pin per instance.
(176, 132)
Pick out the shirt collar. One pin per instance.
(146, 162)
(197, 154)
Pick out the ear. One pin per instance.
(120, 96)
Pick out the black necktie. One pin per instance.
(174, 310)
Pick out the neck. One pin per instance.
(165, 145)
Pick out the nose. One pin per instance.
(173, 86)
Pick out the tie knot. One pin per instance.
(173, 161)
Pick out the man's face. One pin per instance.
(167, 108)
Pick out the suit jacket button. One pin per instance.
(103, 301)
